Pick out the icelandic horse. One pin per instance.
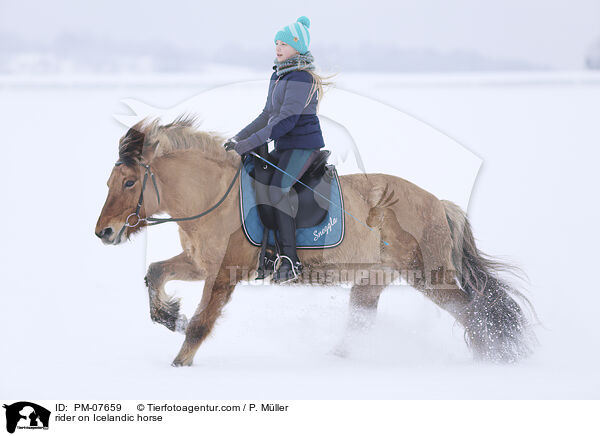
(412, 235)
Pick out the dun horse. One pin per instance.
(178, 170)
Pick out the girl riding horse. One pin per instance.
(290, 119)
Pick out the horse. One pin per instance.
(401, 232)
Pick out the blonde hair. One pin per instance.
(319, 81)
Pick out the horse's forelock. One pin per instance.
(131, 145)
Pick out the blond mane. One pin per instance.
(167, 139)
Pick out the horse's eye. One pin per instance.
(129, 183)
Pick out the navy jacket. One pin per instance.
(286, 118)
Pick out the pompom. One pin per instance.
(304, 20)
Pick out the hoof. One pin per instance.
(181, 324)
(341, 351)
(177, 363)
(168, 315)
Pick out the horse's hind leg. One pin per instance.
(164, 309)
(362, 312)
(363, 306)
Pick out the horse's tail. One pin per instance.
(496, 327)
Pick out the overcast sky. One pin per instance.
(554, 33)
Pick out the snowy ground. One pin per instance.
(74, 317)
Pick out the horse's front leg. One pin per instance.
(218, 292)
(223, 264)
(164, 309)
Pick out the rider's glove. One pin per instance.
(230, 144)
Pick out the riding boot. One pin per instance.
(286, 225)
(290, 265)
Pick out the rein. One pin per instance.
(154, 221)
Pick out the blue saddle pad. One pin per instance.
(327, 234)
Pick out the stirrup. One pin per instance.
(296, 268)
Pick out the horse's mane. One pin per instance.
(167, 139)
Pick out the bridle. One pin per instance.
(150, 221)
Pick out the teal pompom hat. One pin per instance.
(296, 34)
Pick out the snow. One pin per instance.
(74, 317)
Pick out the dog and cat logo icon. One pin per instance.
(26, 415)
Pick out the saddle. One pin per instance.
(312, 208)
(319, 214)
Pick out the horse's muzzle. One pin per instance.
(105, 235)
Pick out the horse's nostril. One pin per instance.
(105, 232)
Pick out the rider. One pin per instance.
(290, 119)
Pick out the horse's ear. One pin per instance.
(149, 150)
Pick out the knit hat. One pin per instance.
(296, 34)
